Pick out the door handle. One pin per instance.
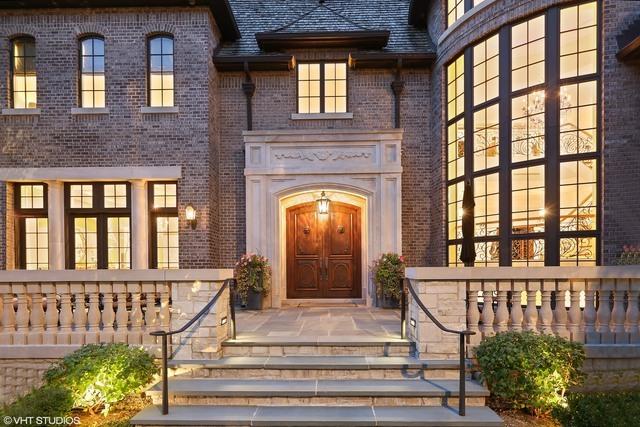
(326, 268)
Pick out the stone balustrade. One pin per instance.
(593, 305)
(84, 307)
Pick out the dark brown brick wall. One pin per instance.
(124, 137)
(370, 100)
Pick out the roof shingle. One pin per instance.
(293, 16)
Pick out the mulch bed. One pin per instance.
(119, 415)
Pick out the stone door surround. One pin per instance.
(287, 167)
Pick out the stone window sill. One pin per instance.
(322, 116)
(159, 110)
(21, 111)
(89, 111)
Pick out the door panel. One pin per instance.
(323, 252)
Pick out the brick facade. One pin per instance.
(205, 136)
(370, 101)
(125, 136)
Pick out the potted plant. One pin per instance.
(388, 274)
(253, 275)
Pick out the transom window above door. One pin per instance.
(322, 87)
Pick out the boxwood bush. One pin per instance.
(99, 375)
(621, 408)
(50, 403)
(528, 371)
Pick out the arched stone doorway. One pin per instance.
(355, 168)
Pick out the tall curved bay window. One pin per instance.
(160, 69)
(24, 92)
(530, 116)
(92, 80)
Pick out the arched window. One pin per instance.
(522, 117)
(23, 73)
(92, 81)
(160, 63)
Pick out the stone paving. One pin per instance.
(314, 322)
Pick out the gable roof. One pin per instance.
(332, 16)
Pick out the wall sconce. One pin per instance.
(190, 215)
(412, 322)
(223, 321)
(323, 204)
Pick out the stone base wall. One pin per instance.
(19, 376)
(612, 367)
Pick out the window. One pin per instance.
(527, 54)
(527, 127)
(536, 186)
(578, 40)
(165, 248)
(32, 226)
(322, 88)
(486, 138)
(161, 88)
(455, 10)
(486, 70)
(99, 219)
(578, 117)
(23, 73)
(92, 81)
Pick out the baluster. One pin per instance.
(560, 312)
(149, 289)
(633, 315)
(66, 315)
(165, 313)
(51, 316)
(36, 314)
(618, 314)
(8, 315)
(473, 313)
(22, 314)
(546, 314)
(108, 314)
(487, 317)
(531, 312)
(79, 333)
(122, 315)
(591, 336)
(502, 311)
(603, 315)
(135, 337)
(575, 314)
(515, 320)
(93, 315)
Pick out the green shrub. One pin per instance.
(47, 403)
(388, 273)
(528, 371)
(600, 409)
(101, 375)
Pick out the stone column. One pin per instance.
(139, 225)
(55, 212)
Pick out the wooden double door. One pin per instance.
(323, 252)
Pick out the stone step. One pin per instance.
(316, 367)
(406, 392)
(316, 416)
(321, 346)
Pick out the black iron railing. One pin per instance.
(462, 334)
(229, 283)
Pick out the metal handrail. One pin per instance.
(229, 283)
(461, 334)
